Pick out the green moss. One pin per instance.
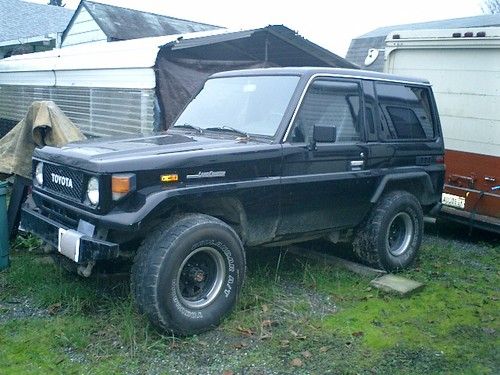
(38, 345)
(425, 319)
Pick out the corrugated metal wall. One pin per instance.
(96, 111)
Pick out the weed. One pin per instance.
(26, 242)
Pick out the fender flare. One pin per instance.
(421, 176)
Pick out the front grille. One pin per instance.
(65, 181)
(57, 213)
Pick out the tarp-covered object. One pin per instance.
(44, 124)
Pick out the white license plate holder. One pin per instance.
(69, 243)
(452, 200)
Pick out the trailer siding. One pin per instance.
(467, 90)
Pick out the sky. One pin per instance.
(330, 23)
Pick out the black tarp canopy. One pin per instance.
(182, 66)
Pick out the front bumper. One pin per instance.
(89, 248)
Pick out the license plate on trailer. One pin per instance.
(453, 200)
(69, 243)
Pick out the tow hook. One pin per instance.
(86, 271)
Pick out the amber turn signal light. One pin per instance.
(169, 177)
(122, 184)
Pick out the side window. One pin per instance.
(330, 103)
(405, 112)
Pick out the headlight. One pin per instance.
(39, 173)
(93, 191)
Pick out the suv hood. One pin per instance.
(134, 153)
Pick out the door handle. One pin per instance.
(356, 165)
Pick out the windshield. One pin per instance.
(247, 105)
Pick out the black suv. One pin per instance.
(258, 157)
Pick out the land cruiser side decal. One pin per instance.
(210, 174)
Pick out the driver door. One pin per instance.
(323, 184)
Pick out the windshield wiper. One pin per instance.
(229, 129)
(189, 126)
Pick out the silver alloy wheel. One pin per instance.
(200, 277)
(399, 234)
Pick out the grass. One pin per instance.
(294, 316)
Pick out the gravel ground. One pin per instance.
(449, 234)
(20, 308)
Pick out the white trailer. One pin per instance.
(104, 88)
(463, 65)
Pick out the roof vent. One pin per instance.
(396, 36)
(372, 56)
(481, 34)
(457, 35)
(468, 34)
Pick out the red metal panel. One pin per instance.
(474, 176)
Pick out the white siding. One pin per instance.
(83, 30)
(96, 111)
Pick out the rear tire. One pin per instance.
(390, 238)
(188, 273)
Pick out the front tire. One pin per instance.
(391, 236)
(188, 273)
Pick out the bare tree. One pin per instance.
(491, 6)
(57, 3)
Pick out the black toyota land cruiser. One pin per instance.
(259, 157)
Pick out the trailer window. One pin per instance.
(405, 112)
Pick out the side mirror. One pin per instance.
(324, 133)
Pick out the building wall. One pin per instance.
(83, 30)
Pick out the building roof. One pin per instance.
(22, 19)
(358, 50)
(123, 23)
(465, 22)
(359, 47)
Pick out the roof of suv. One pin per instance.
(310, 71)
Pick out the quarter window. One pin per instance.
(405, 112)
(330, 103)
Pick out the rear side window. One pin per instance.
(405, 112)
